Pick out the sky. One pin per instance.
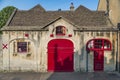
(48, 4)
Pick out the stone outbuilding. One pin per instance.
(63, 41)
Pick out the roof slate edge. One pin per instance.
(81, 6)
(9, 20)
(20, 28)
(36, 28)
(61, 17)
(38, 5)
(110, 22)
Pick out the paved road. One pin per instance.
(60, 76)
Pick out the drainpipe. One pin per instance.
(117, 56)
(118, 52)
(107, 5)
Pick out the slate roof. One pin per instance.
(37, 16)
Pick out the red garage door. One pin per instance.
(60, 55)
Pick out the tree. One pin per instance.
(5, 13)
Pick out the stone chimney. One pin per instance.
(71, 7)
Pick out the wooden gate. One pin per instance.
(60, 55)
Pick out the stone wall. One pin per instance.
(36, 59)
(114, 10)
(87, 63)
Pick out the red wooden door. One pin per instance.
(99, 45)
(98, 60)
(60, 55)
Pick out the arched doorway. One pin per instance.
(60, 55)
(98, 46)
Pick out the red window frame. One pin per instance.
(98, 44)
(22, 47)
(60, 30)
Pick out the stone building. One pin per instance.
(63, 41)
(111, 8)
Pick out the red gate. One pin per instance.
(98, 46)
(60, 55)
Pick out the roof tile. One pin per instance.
(37, 16)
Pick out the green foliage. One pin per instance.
(5, 13)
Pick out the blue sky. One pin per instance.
(49, 4)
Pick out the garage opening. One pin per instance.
(60, 55)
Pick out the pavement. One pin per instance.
(60, 76)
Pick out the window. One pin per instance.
(22, 47)
(98, 44)
(90, 44)
(60, 30)
(106, 44)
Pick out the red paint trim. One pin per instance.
(5, 46)
(52, 35)
(26, 35)
(97, 44)
(70, 35)
(60, 30)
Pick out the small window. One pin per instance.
(21, 47)
(60, 30)
(98, 44)
(91, 44)
(106, 45)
